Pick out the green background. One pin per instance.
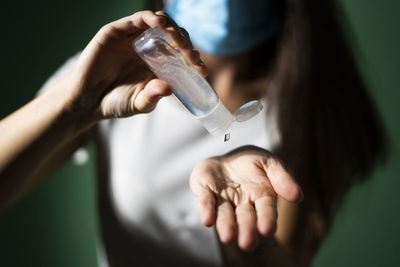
(56, 224)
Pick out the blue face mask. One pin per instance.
(227, 27)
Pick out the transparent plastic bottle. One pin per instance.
(192, 90)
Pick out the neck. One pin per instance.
(228, 78)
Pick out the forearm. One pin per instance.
(32, 134)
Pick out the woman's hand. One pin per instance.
(238, 192)
(109, 80)
(112, 80)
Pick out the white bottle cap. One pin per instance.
(218, 121)
(248, 111)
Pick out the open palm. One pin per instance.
(238, 192)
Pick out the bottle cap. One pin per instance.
(248, 111)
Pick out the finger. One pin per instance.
(179, 34)
(195, 60)
(137, 22)
(185, 33)
(282, 182)
(174, 31)
(202, 184)
(128, 26)
(146, 19)
(266, 209)
(226, 222)
(181, 39)
(146, 100)
(246, 220)
(207, 207)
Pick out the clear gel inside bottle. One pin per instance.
(170, 65)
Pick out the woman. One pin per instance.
(318, 121)
(330, 133)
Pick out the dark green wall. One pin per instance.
(367, 231)
(56, 224)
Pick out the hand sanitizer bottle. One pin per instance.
(191, 89)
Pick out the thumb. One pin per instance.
(145, 100)
(282, 182)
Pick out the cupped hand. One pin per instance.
(238, 193)
(112, 80)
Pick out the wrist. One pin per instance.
(67, 101)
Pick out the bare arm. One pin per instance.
(29, 136)
(53, 162)
(109, 80)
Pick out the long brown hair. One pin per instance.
(331, 134)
